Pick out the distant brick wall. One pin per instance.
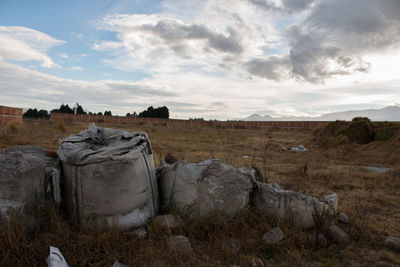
(10, 114)
(291, 126)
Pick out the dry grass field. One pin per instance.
(372, 202)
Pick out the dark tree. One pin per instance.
(160, 112)
(63, 109)
(34, 113)
(79, 109)
(107, 113)
(66, 109)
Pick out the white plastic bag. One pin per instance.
(56, 259)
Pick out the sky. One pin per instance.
(216, 59)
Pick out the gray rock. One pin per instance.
(25, 178)
(141, 232)
(273, 236)
(343, 218)
(179, 243)
(338, 236)
(393, 243)
(332, 201)
(169, 221)
(198, 189)
(285, 204)
(118, 264)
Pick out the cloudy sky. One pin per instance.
(219, 59)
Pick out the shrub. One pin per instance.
(360, 131)
(385, 131)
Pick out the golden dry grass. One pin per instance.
(372, 202)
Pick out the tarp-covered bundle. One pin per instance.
(27, 175)
(198, 189)
(286, 204)
(109, 178)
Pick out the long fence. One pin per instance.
(10, 114)
(273, 125)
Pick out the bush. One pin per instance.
(356, 119)
(360, 131)
(385, 131)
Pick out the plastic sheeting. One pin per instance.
(109, 178)
(55, 258)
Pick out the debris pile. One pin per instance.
(109, 179)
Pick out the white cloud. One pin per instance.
(191, 95)
(21, 87)
(285, 6)
(215, 36)
(25, 44)
(107, 45)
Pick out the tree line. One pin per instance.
(160, 112)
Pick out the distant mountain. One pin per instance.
(390, 113)
(256, 117)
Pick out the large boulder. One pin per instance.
(109, 178)
(286, 204)
(198, 189)
(26, 174)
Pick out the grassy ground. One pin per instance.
(372, 202)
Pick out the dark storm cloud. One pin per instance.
(335, 36)
(176, 34)
(272, 67)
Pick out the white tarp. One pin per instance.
(55, 258)
(109, 178)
